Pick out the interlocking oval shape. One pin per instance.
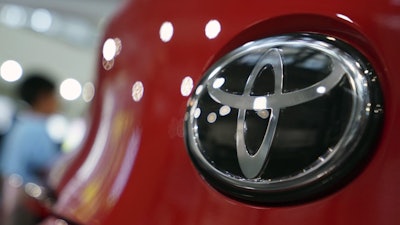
(252, 165)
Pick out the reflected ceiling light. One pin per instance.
(186, 86)
(199, 89)
(166, 31)
(344, 17)
(13, 15)
(109, 49)
(137, 91)
(218, 82)
(70, 89)
(263, 114)
(260, 103)
(224, 110)
(88, 92)
(11, 71)
(108, 65)
(212, 117)
(213, 28)
(197, 113)
(41, 20)
(331, 38)
(321, 90)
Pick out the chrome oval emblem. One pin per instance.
(284, 119)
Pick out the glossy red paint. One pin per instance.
(134, 168)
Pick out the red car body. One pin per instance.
(133, 167)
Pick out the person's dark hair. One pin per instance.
(34, 86)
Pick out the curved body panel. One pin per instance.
(136, 169)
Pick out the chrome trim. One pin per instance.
(344, 65)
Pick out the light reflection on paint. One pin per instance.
(126, 166)
(109, 49)
(88, 92)
(212, 29)
(137, 91)
(344, 17)
(166, 31)
(186, 86)
(108, 65)
(100, 142)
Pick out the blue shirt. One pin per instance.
(28, 149)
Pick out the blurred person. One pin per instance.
(27, 150)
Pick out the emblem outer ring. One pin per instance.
(337, 165)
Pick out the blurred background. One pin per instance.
(57, 37)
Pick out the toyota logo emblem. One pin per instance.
(284, 119)
(251, 164)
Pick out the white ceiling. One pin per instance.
(68, 49)
(93, 10)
